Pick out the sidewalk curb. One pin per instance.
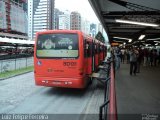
(1, 79)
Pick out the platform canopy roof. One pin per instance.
(126, 20)
(15, 42)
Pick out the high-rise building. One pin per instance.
(93, 29)
(43, 15)
(85, 26)
(30, 19)
(100, 27)
(75, 21)
(57, 12)
(13, 18)
(64, 21)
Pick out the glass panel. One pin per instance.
(57, 46)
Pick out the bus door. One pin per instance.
(88, 56)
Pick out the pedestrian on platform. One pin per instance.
(127, 54)
(145, 57)
(159, 58)
(133, 61)
(139, 60)
(118, 58)
(155, 56)
(122, 56)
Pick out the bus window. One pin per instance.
(87, 49)
(100, 49)
(93, 49)
(96, 49)
(90, 49)
(57, 46)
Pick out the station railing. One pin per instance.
(108, 110)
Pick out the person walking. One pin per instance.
(151, 58)
(155, 56)
(133, 61)
(139, 60)
(122, 56)
(127, 54)
(118, 58)
(145, 57)
(159, 57)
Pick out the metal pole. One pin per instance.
(26, 62)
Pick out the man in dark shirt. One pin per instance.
(133, 61)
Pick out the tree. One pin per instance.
(100, 37)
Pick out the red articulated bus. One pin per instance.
(64, 58)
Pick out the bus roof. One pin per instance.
(58, 31)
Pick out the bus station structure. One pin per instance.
(133, 23)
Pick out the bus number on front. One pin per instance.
(69, 64)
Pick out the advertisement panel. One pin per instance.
(3, 24)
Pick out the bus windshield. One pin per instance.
(57, 46)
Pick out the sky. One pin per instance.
(81, 6)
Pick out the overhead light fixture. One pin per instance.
(121, 38)
(118, 41)
(121, 45)
(142, 41)
(141, 37)
(148, 45)
(137, 23)
(154, 39)
(156, 44)
(157, 41)
(130, 40)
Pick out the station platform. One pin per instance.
(138, 94)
